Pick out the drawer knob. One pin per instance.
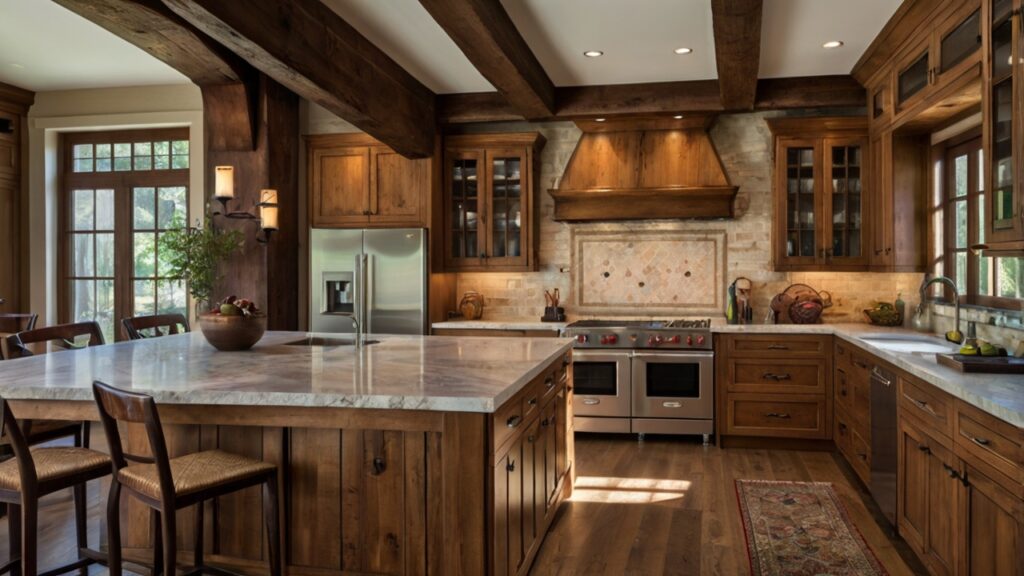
(980, 441)
(514, 421)
(782, 415)
(776, 377)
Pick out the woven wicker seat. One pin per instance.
(194, 473)
(55, 463)
(166, 484)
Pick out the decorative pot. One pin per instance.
(232, 333)
(472, 305)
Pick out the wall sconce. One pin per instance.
(224, 192)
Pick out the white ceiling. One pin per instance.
(59, 50)
(44, 46)
(792, 32)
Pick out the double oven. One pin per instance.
(641, 388)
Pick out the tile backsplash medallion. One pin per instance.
(744, 144)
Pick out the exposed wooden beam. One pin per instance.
(660, 98)
(809, 92)
(737, 27)
(308, 48)
(489, 39)
(149, 25)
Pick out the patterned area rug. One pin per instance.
(801, 529)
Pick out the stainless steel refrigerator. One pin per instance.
(393, 289)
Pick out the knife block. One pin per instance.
(553, 314)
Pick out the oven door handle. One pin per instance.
(682, 354)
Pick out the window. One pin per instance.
(120, 192)
(982, 280)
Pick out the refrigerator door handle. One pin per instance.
(370, 274)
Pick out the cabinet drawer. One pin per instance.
(992, 441)
(929, 406)
(777, 376)
(860, 455)
(776, 345)
(508, 420)
(781, 415)
(843, 433)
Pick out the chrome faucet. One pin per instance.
(359, 309)
(956, 303)
(357, 325)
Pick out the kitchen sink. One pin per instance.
(325, 342)
(909, 343)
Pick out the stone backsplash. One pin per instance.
(744, 144)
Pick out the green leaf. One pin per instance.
(195, 253)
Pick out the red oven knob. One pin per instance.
(689, 340)
(700, 340)
(581, 338)
(674, 339)
(609, 339)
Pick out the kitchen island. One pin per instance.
(411, 455)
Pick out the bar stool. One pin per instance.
(134, 328)
(169, 484)
(34, 473)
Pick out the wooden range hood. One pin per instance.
(639, 169)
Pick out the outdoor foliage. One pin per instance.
(193, 254)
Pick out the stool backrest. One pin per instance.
(66, 334)
(14, 323)
(9, 427)
(135, 328)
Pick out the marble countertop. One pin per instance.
(1001, 395)
(437, 373)
(499, 324)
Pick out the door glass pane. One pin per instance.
(595, 378)
(83, 300)
(105, 255)
(145, 254)
(961, 224)
(914, 78)
(105, 209)
(1002, 46)
(83, 209)
(1002, 154)
(800, 201)
(145, 297)
(961, 272)
(105, 308)
(506, 193)
(963, 41)
(171, 297)
(671, 380)
(144, 208)
(464, 221)
(171, 205)
(846, 201)
(1011, 277)
(83, 255)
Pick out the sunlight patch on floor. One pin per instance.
(607, 489)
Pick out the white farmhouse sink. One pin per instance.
(909, 343)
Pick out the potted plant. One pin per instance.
(194, 254)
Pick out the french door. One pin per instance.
(121, 191)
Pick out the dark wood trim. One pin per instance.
(18, 97)
(489, 39)
(656, 98)
(309, 49)
(737, 29)
(903, 24)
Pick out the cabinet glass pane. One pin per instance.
(506, 207)
(800, 217)
(878, 104)
(847, 206)
(1002, 46)
(465, 207)
(1002, 155)
(963, 41)
(914, 78)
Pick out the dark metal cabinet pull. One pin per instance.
(980, 441)
(532, 401)
(511, 466)
(514, 421)
(776, 377)
(782, 415)
(549, 382)
(778, 347)
(379, 466)
(924, 448)
(949, 470)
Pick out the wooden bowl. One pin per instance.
(232, 333)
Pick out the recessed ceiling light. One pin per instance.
(593, 53)
(16, 65)
(678, 116)
(832, 44)
(681, 51)
(599, 119)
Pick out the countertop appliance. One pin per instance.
(393, 294)
(643, 376)
(884, 440)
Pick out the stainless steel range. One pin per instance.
(643, 376)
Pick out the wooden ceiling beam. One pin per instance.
(659, 98)
(737, 27)
(308, 48)
(486, 35)
(227, 82)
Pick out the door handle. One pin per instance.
(672, 404)
(591, 401)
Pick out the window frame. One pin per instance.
(123, 183)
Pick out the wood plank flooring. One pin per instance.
(662, 506)
(668, 506)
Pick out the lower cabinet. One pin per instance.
(992, 519)
(929, 484)
(530, 472)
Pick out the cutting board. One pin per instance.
(982, 364)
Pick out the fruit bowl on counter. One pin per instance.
(237, 324)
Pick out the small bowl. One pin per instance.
(232, 333)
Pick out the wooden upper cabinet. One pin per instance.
(355, 182)
(490, 208)
(938, 54)
(821, 184)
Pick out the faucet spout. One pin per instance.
(958, 336)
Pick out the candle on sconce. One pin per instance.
(224, 182)
(268, 209)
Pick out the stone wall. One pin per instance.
(744, 144)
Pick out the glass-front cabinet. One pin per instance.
(489, 184)
(820, 193)
(1003, 121)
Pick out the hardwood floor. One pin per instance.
(668, 506)
(663, 506)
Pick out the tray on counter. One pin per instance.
(982, 364)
